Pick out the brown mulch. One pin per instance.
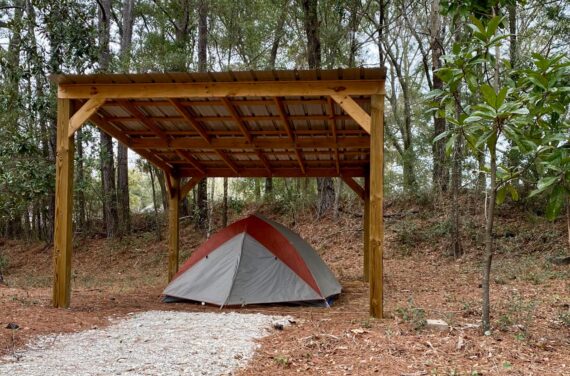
(112, 279)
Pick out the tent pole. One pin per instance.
(63, 230)
(376, 201)
(366, 224)
(173, 225)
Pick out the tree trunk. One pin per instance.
(106, 153)
(202, 190)
(268, 188)
(440, 170)
(488, 256)
(225, 204)
(456, 245)
(122, 150)
(512, 9)
(325, 186)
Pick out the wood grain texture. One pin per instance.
(352, 184)
(63, 232)
(222, 89)
(353, 109)
(366, 229)
(376, 207)
(84, 113)
(173, 226)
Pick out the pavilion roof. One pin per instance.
(247, 123)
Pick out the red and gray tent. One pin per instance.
(252, 261)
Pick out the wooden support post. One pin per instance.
(173, 226)
(366, 225)
(63, 232)
(376, 201)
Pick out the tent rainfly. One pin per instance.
(277, 123)
(254, 261)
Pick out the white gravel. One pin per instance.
(149, 343)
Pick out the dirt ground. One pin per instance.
(530, 299)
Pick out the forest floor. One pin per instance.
(530, 296)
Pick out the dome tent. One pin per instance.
(253, 261)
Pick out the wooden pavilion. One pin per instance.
(314, 123)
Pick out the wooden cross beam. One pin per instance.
(239, 143)
(222, 89)
(354, 110)
(84, 113)
(332, 126)
(354, 186)
(187, 187)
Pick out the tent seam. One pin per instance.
(236, 269)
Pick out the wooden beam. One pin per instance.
(237, 119)
(111, 130)
(263, 160)
(192, 160)
(228, 118)
(354, 186)
(332, 126)
(140, 116)
(283, 114)
(63, 231)
(84, 113)
(366, 225)
(173, 226)
(186, 188)
(376, 211)
(231, 164)
(229, 143)
(222, 89)
(282, 172)
(352, 108)
(191, 120)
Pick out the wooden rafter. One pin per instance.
(243, 128)
(140, 116)
(111, 131)
(222, 89)
(191, 159)
(190, 120)
(203, 133)
(353, 109)
(332, 126)
(283, 115)
(236, 117)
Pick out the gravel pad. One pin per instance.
(149, 343)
